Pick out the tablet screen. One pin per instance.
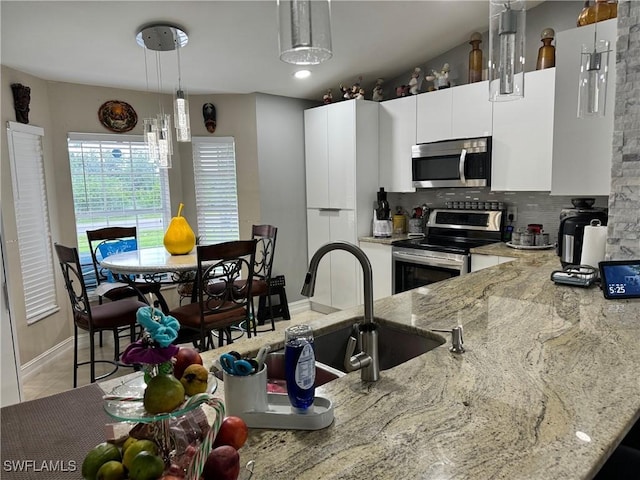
(620, 278)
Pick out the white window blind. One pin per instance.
(115, 183)
(32, 219)
(214, 165)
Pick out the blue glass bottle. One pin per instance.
(300, 366)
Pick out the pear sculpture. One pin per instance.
(179, 239)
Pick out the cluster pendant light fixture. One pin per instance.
(157, 130)
(304, 31)
(506, 49)
(592, 84)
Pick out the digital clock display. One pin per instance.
(620, 279)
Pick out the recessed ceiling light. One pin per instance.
(302, 74)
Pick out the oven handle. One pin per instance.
(424, 260)
(463, 161)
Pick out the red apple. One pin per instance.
(223, 463)
(186, 356)
(233, 431)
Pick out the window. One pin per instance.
(32, 220)
(116, 184)
(214, 165)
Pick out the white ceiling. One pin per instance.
(233, 45)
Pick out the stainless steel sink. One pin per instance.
(395, 346)
(276, 375)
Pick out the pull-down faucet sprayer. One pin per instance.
(367, 360)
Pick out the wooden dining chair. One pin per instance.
(265, 235)
(111, 240)
(109, 316)
(223, 302)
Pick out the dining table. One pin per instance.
(152, 265)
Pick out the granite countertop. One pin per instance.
(547, 387)
(384, 241)
(502, 250)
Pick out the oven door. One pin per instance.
(413, 268)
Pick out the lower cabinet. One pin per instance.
(379, 255)
(479, 261)
(338, 280)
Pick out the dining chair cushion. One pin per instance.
(110, 314)
(229, 312)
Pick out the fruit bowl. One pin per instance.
(124, 402)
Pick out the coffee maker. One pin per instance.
(382, 216)
(572, 223)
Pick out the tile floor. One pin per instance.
(57, 375)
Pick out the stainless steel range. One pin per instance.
(445, 250)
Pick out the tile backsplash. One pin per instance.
(531, 207)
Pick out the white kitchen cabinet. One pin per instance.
(433, 117)
(341, 147)
(458, 112)
(338, 280)
(379, 255)
(339, 139)
(522, 149)
(582, 147)
(480, 261)
(396, 137)
(472, 111)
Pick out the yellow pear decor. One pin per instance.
(179, 239)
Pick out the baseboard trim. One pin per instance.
(299, 306)
(32, 366)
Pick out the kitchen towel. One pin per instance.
(593, 244)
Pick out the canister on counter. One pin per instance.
(399, 224)
(526, 239)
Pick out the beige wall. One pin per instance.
(62, 107)
(41, 336)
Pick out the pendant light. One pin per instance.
(157, 130)
(181, 109)
(304, 31)
(592, 83)
(506, 49)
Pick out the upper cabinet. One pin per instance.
(523, 136)
(459, 112)
(397, 135)
(434, 116)
(338, 137)
(582, 147)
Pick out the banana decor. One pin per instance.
(179, 239)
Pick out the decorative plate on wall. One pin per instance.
(117, 116)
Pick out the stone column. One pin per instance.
(623, 238)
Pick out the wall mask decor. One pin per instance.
(209, 114)
(21, 100)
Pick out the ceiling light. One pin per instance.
(302, 74)
(157, 130)
(506, 49)
(304, 31)
(592, 83)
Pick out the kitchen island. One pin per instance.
(547, 388)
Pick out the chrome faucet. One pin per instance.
(367, 360)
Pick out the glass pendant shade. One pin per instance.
(304, 31)
(506, 50)
(181, 116)
(592, 86)
(157, 136)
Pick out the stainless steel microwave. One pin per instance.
(452, 163)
